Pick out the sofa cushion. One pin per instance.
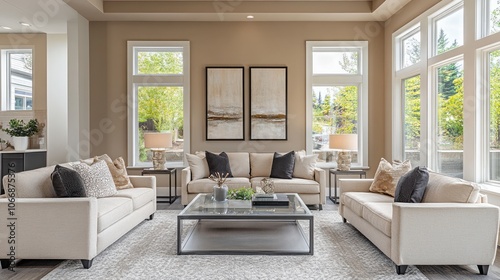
(240, 164)
(118, 171)
(261, 164)
(442, 188)
(411, 186)
(139, 196)
(34, 183)
(96, 178)
(304, 166)
(282, 166)
(356, 200)
(207, 186)
(295, 185)
(387, 176)
(67, 182)
(112, 209)
(379, 215)
(198, 165)
(218, 163)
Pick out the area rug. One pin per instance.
(149, 252)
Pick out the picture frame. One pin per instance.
(225, 103)
(268, 103)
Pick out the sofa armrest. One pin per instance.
(143, 181)
(444, 233)
(354, 185)
(49, 228)
(185, 179)
(320, 177)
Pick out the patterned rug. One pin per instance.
(149, 252)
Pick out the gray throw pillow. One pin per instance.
(283, 165)
(67, 182)
(411, 186)
(218, 163)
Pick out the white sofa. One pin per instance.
(49, 227)
(248, 170)
(453, 225)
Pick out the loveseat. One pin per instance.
(50, 227)
(453, 224)
(248, 169)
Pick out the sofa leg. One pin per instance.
(401, 269)
(483, 269)
(151, 216)
(344, 220)
(87, 263)
(320, 207)
(5, 263)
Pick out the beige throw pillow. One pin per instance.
(97, 179)
(387, 176)
(198, 165)
(118, 170)
(304, 166)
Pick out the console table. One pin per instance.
(361, 171)
(17, 161)
(169, 172)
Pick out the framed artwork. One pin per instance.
(225, 103)
(268, 103)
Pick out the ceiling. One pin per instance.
(52, 17)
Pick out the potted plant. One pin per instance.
(21, 132)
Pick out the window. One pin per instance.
(410, 49)
(489, 17)
(411, 119)
(449, 30)
(494, 115)
(17, 79)
(159, 90)
(336, 92)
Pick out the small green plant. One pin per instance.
(244, 193)
(19, 128)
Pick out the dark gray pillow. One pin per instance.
(218, 163)
(283, 165)
(411, 186)
(67, 182)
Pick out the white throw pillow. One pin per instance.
(261, 164)
(304, 166)
(198, 165)
(97, 179)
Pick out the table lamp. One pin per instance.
(157, 143)
(345, 143)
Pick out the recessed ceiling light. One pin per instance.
(24, 24)
(6, 27)
(249, 17)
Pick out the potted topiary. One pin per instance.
(21, 132)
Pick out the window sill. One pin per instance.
(178, 165)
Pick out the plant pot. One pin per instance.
(20, 142)
(220, 193)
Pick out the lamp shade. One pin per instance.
(157, 140)
(344, 142)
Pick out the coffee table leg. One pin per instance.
(179, 234)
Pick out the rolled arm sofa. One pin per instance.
(50, 227)
(453, 225)
(248, 170)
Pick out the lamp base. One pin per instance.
(344, 159)
(159, 159)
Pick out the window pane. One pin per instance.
(160, 108)
(449, 32)
(335, 62)
(411, 120)
(19, 79)
(411, 50)
(494, 115)
(335, 111)
(159, 61)
(450, 119)
(493, 13)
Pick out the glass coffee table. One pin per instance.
(235, 227)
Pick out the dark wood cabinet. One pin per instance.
(22, 161)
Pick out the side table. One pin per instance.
(169, 172)
(335, 172)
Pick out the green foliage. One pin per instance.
(19, 128)
(412, 112)
(244, 193)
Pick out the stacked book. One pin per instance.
(270, 200)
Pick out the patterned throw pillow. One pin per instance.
(97, 179)
(387, 176)
(118, 170)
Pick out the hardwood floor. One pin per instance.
(36, 269)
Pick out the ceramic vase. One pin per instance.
(20, 143)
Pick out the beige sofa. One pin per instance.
(48, 227)
(249, 169)
(452, 226)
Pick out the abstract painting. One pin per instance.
(225, 103)
(268, 103)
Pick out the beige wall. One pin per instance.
(226, 44)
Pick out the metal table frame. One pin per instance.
(335, 172)
(169, 172)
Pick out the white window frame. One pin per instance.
(7, 95)
(136, 80)
(360, 80)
